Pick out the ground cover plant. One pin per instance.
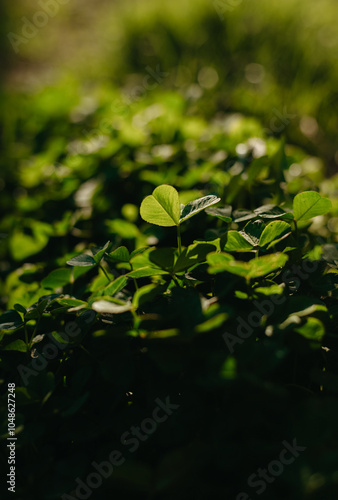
(192, 276)
(169, 252)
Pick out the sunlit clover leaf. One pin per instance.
(274, 231)
(313, 329)
(17, 345)
(162, 207)
(237, 243)
(310, 204)
(115, 286)
(255, 268)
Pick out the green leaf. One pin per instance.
(82, 260)
(138, 251)
(253, 231)
(310, 204)
(162, 207)
(273, 212)
(229, 369)
(193, 255)
(163, 258)
(71, 302)
(223, 213)
(274, 231)
(57, 278)
(17, 345)
(212, 323)
(10, 320)
(99, 252)
(24, 245)
(236, 242)
(144, 265)
(146, 271)
(120, 254)
(255, 268)
(32, 313)
(19, 308)
(267, 264)
(116, 285)
(44, 301)
(196, 206)
(123, 228)
(61, 277)
(313, 329)
(269, 290)
(242, 215)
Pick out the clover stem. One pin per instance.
(296, 230)
(105, 273)
(179, 242)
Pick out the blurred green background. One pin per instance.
(275, 60)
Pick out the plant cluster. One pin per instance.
(121, 292)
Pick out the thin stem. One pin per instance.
(296, 230)
(105, 273)
(136, 319)
(179, 240)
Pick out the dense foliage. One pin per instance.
(169, 255)
(106, 314)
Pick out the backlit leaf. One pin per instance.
(255, 268)
(274, 231)
(162, 207)
(236, 242)
(310, 204)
